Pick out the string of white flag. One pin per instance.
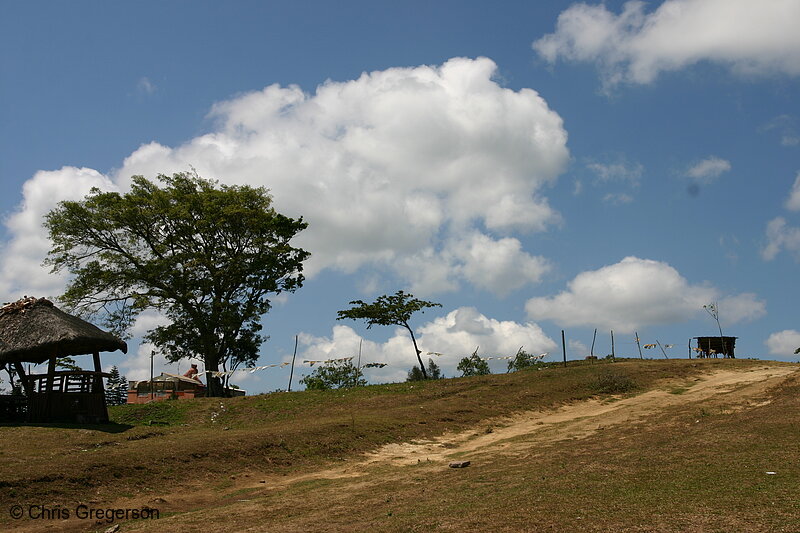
(312, 362)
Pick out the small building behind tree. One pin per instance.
(171, 387)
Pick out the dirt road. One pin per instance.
(515, 434)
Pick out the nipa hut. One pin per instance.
(33, 330)
(716, 346)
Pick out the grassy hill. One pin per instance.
(290, 461)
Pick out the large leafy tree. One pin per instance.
(205, 255)
(390, 310)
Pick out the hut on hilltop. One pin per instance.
(164, 387)
(716, 346)
(33, 330)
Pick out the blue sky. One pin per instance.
(533, 166)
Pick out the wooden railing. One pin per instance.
(69, 381)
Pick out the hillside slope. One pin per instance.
(688, 450)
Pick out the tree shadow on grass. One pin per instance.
(110, 427)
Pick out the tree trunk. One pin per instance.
(214, 387)
(416, 349)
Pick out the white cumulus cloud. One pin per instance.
(708, 170)
(454, 335)
(394, 171)
(793, 202)
(635, 293)
(635, 46)
(781, 236)
(21, 270)
(784, 343)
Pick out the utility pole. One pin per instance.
(613, 353)
(564, 348)
(152, 354)
(638, 345)
(291, 373)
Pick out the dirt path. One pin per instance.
(514, 435)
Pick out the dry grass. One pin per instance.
(692, 468)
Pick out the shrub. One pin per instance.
(335, 375)
(434, 372)
(524, 360)
(473, 366)
(612, 383)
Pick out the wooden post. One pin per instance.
(51, 374)
(662, 349)
(591, 350)
(152, 354)
(638, 344)
(564, 348)
(358, 366)
(97, 386)
(613, 353)
(291, 373)
(26, 384)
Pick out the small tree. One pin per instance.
(473, 366)
(334, 375)
(713, 310)
(522, 360)
(415, 374)
(394, 310)
(116, 388)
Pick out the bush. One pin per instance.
(524, 360)
(473, 366)
(612, 383)
(336, 375)
(434, 372)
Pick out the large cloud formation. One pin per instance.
(454, 336)
(784, 343)
(421, 172)
(635, 46)
(779, 234)
(635, 293)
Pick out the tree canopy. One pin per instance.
(390, 310)
(473, 365)
(415, 374)
(207, 256)
(334, 375)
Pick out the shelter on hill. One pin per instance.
(33, 330)
(170, 387)
(164, 387)
(716, 346)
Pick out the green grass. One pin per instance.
(194, 441)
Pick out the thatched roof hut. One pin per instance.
(33, 329)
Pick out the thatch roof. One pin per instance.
(32, 328)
